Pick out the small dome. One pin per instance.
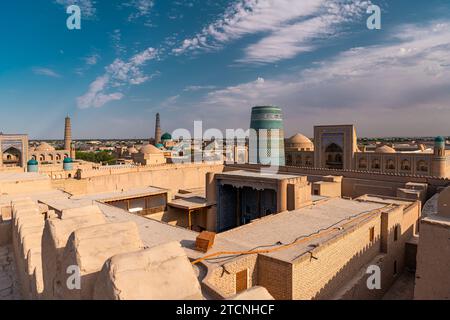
(32, 162)
(300, 141)
(45, 147)
(439, 139)
(132, 150)
(166, 136)
(67, 160)
(159, 145)
(385, 149)
(149, 149)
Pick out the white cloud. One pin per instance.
(118, 74)
(89, 61)
(46, 72)
(287, 26)
(87, 7)
(399, 87)
(260, 80)
(116, 39)
(142, 8)
(92, 60)
(95, 96)
(170, 101)
(198, 88)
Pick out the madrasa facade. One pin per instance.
(335, 147)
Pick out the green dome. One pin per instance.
(166, 136)
(68, 160)
(439, 139)
(32, 162)
(159, 145)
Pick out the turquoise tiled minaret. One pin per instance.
(268, 150)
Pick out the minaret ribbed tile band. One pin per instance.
(267, 136)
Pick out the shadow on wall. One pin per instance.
(391, 261)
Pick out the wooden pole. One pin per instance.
(189, 220)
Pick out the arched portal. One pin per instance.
(334, 156)
(12, 157)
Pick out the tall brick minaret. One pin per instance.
(68, 135)
(157, 129)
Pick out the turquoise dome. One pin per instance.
(68, 160)
(159, 145)
(32, 162)
(439, 139)
(166, 136)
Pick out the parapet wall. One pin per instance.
(27, 230)
(168, 176)
(120, 169)
(77, 254)
(20, 185)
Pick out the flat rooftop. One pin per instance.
(286, 227)
(21, 176)
(153, 232)
(123, 194)
(40, 195)
(386, 200)
(189, 203)
(69, 202)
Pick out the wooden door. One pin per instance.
(241, 281)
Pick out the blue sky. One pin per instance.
(214, 60)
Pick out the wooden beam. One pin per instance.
(189, 220)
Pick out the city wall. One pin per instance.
(357, 183)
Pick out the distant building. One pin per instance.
(47, 154)
(149, 155)
(246, 196)
(335, 147)
(13, 150)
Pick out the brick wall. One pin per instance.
(433, 260)
(276, 277)
(223, 280)
(336, 262)
(339, 271)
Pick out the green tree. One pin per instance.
(97, 157)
